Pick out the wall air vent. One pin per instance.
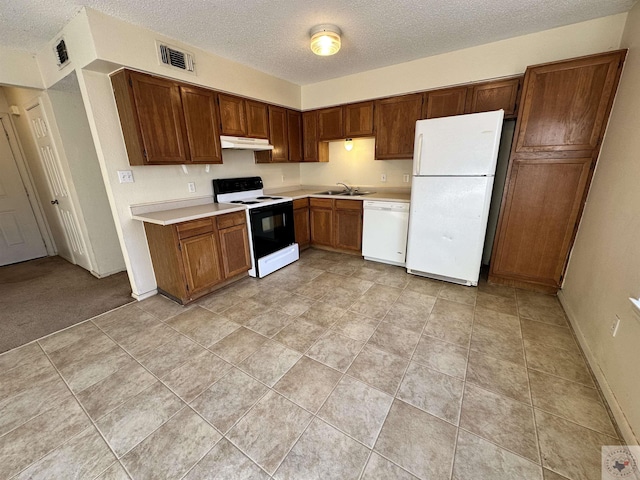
(175, 58)
(60, 50)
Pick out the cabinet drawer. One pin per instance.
(193, 228)
(300, 203)
(348, 204)
(230, 219)
(320, 202)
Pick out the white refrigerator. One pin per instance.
(454, 163)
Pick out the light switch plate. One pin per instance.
(125, 176)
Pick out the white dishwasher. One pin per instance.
(384, 233)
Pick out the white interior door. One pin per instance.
(59, 207)
(20, 237)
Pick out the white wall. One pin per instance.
(498, 59)
(80, 152)
(357, 167)
(80, 47)
(19, 68)
(604, 268)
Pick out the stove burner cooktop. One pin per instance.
(269, 198)
(244, 202)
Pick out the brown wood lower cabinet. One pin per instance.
(336, 223)
(321, 220)
(191, 259)
(541, 212)
(347, 224)
(301, 222)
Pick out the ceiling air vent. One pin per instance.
(175, 58)
(60, 50)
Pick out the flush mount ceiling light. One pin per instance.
(325, 40)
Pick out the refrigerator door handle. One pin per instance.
(418, 156)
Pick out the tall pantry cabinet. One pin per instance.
(561, 122)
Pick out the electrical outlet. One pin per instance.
(383, 177)
(192, 187)
(405, 178)
(282, 178)
(125, 176)
(614, 326)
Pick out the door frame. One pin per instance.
(6, 122)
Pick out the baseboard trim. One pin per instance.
(616, 410)
(143, 296)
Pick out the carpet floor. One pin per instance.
(42, 296)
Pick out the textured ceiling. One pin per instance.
(273, 35)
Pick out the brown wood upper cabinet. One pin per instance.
(313, 150)
(395, 125)
(257, 119)
(574, 97)
(201, 121)
(233, 115)
(294, 135)
(165, 122)
(330, 124)
(241, 117)
(562, 118)
(495, 95)
(445, 102)
(278, 137)
(358, 120)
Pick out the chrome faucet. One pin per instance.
(349, 189)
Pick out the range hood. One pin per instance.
(245, 143)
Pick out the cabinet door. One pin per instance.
(330, 124)
(347, 225)
(358, 120)
(395, 126)
(321, 220)
(445, 103)
(160, 118)
(294, 134)
(278, 134)
(574, 97)
(313, 149)
(301, 223)
(234, 248)
(202, 124)
(543, 200)
(500, 94)
(257, 119)
(233, 117)
(201, 259)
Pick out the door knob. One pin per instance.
(54, 202)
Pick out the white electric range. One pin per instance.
(270, 219)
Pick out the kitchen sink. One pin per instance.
(344, 192)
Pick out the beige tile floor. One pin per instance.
(333, 367)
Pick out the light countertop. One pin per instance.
(184, 214)
(178, 211)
